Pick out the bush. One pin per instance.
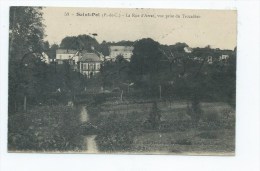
(44, 128)
(116, 132)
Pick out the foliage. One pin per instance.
(179, 74)
(121, 43)
(26, 34)
(26, 31)
(40, 83)
(79, 42)
(45, 128)
(116, 133)
(115, 74)
(103, 47)
(146, 57)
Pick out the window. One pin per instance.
(84, 66)
(91, 67)
(97, 66)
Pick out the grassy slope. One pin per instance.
(202, 139)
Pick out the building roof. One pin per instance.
(66, 51)
(85, 56)
(121, 48)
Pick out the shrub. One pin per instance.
(117, 131)
(45, 129)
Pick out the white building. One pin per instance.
(89, 63)
(67, 55)
(125, 51)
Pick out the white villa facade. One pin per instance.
(125, 51)
(89, 63)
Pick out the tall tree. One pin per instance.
(103, 47)
(145, 65)
(146, 57)
(26, 31)
(114, 74)
(26, 34)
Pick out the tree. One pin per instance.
(46, 46)
(80, 42)
(145, 63)
(54, 46)
(26, 34)
(115, 73)
(173, 53)
(103, 47)
(26, 31)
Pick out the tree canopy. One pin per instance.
(146, 57)
(80, 42)
(26, 35)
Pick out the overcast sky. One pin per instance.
(214, 28)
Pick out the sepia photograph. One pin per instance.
(122, 81)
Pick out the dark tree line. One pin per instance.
(186, 75)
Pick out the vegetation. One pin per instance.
(122, 128)
(163, 91)
(79, 42)
(45, 128)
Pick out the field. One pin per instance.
(122, 128)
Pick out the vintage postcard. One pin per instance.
(122, 81)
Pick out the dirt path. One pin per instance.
(90, 145)
(84, 114)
